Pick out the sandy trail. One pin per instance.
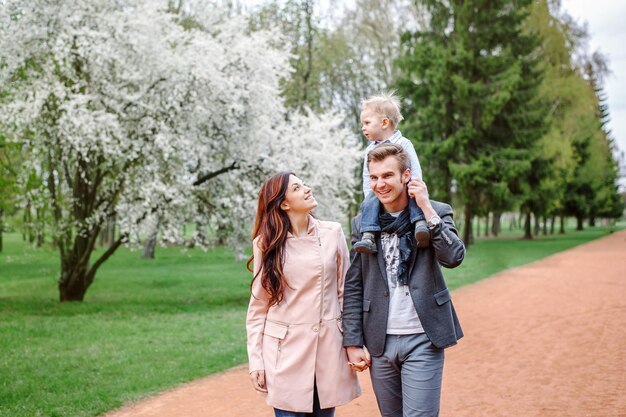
(546, 339)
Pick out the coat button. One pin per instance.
(386, 293)
(315, 329)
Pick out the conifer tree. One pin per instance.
(471, 82)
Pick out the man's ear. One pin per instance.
(406, 176)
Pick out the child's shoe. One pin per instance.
(367, 244)
(422, 234)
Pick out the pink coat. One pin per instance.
(300, 339)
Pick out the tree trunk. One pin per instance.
(562, 226)
(221, 235)
(150, 245)
(76, 273)
(579, 222)
(110, 228)
(107, 235)
(545, 225)
(203, 239)
(486, 225)
(40, 237)
(28, 223)
(495, 226)
(73, 283)
(537, 226)
(308, 10)
(468, 237)
(40, 228)
(527, 226)
(447, 187)
(592, 220)
(102, 241)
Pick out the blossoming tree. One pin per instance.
(125, 112)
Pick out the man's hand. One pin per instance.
(258, 380)
(359, 358)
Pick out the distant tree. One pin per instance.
(301, 26)
(589, 179)
(564, 92)
(607, 201)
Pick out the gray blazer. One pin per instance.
(366, 293)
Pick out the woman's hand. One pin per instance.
(258, 380)
(359, 358)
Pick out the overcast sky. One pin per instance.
(606, 21)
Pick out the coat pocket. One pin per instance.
(278, 332)
(442, 296)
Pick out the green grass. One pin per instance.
(146, 326)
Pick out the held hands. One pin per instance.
(258, 380)
(359, 358)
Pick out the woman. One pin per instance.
(295, 347)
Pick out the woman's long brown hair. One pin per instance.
(272, 225)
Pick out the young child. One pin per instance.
(380, 116)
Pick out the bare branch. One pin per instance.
(214, 174)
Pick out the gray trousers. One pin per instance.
(407, 377)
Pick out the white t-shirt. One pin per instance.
(403, 318)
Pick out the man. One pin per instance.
(396, 303)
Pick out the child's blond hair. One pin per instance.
(387, 104)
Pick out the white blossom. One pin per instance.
(121, 95)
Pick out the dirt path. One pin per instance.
(547, 339)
